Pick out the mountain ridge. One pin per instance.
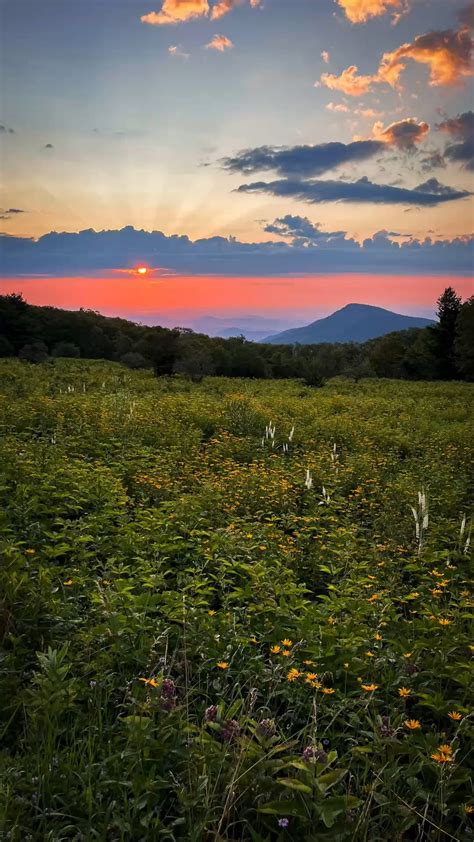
(352, 323)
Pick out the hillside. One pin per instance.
(353, 323)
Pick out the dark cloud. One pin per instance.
(301, 228)
(9, 212)
(461, 129)
(365, 191)
(302, 161)
(48, 146)
(303, 248)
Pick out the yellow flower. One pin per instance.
(413, 595)
(262, 547)
(407, 654)
(293, 674)
(286, 653)
(453, 714)
(471, 647)
(30, 552)
(403, 691)
(369, 688)
(311, 676)
(436, 591)
(253, 640)
(374, 597)
(468, 808)
(346, 665)
(287, 642)
(223, 665)
(308, 663)
(211, 612)
(377, 636)
(370, 654)
(445, 749)
(275, 649)
(444, 622)
(151, 681)
(332, 621)
(412, 724)
(68, 582)
(328, 691)
(441, 757)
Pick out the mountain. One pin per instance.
(353, 323)
(252, 327)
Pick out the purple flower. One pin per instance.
(230, 731)
(283, 822)
(168, 688)
(266, 727)
(316, 754)
(210, 713)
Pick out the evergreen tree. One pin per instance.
(464, 343)
(444, 334)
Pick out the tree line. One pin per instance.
(443, 351)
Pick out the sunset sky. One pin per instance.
(295, 155)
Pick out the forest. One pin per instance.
(444, 351)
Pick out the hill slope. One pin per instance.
(353, 323)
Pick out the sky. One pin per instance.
(257, 157)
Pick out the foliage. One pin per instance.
(220, 619)
(440, 352)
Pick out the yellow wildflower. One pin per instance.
(407, 654)
(211, 612)
(328, 691)
(444, 622)
(469, 809)
(152, 682)
(68, 582)
(286, 643)
(377, 636)
(374, 597)
(369, 688)
(404, 691)
(370, 654)
(286, 653)
(454, 715)
(293, 674)
(308, 663)
(275, 649)
(223, 665)
(311, 676)
(412, 724)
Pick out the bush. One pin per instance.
(66, 349)
(37, 352)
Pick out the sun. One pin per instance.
(142, 270)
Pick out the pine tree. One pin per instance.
(444, 334)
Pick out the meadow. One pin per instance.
(235, 609)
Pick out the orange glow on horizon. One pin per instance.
(142, 270)
(149, 297)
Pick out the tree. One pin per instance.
(66, 349)
(444, 334)
(134, 360)
(464, 341)
(37, 352)
(194, 357)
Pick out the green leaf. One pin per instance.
(294, 783)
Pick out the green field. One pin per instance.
(198, 646)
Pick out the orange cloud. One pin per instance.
(176, 11)
(340, 107)
(220, 43)
(223, 7)
(348, 82)
(447, 54)
(359, 11)
(404, 134)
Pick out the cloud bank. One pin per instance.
(304, 248)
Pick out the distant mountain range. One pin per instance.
(254, 328)
(353, 323)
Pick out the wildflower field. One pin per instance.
(233, 610)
